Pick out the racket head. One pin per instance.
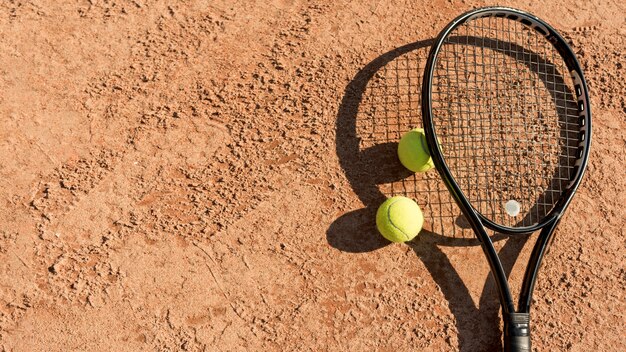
(507, 118)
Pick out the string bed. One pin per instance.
(504, 112)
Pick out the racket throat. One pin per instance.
(517, 332)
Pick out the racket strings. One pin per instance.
(390, 107)
(506, 117)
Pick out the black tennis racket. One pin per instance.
(507, 119)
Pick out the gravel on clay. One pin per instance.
(196, 176)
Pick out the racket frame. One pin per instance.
(516, 322)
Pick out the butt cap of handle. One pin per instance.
(517, 332)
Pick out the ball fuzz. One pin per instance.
(399, 219)
(413, 151)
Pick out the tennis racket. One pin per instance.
(508, 123)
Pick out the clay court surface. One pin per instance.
(203, 176)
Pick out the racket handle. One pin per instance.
(516, 332)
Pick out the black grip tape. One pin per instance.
(517, 332)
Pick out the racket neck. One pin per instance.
(504, 292)
(534, 263)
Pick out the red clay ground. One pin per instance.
(195, 177)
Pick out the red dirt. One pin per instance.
(194, 177)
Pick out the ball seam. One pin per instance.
(391, 222)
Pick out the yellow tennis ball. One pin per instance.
(399, 219)
(413, 151)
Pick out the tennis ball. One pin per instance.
(413, 151)
(399, 219)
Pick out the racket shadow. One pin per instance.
(368, 158)
(475, 325)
